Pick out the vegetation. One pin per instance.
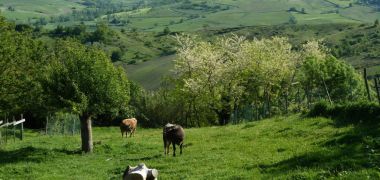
(249, 66)
(233, 79)
(356, 113)
(283, 148)
(72, 77)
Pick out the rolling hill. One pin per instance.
(139, 23)
(188, 15)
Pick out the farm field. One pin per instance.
(281, 148)
(191, 15)
(26, 9)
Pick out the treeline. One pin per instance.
(222, 81)
(371, 2)
(233, 79)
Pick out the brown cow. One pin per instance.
(173, 134)
(128, 125)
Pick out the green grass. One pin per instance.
(25, 9)
(149, 74)
(278, 148)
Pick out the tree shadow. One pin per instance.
(350, 151)
(31, 154)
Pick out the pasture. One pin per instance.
(26, 9)
(197, 15)
(281, 148)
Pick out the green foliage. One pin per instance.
(21, 59)
(358, 112)
(85, 80)
(216, 78)
(116, 55)
(324, 74)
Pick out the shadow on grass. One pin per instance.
(31, 154)
(147, 158)
(351, 151)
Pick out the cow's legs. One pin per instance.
(168, 147)
(180, 148)
(173, 149)
(164, 148)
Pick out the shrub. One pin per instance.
(357, 112)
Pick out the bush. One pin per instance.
(357, 112)
(320, 109)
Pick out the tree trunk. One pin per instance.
(224, 116)
(86, 133)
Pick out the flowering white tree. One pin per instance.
(219, 74)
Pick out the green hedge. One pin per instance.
(358, 112)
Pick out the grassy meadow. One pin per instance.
(279, 148)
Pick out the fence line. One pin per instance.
(4, 126)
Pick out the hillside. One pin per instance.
(358, 44)
(281, 148)
(188, 15)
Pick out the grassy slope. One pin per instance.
(25, 9)
(149, 74)
(279, 148)
(332, 34)
(231, 13)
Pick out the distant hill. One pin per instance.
(139, 26)
(189, 15)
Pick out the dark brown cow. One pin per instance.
(173, 134)
(128, 125)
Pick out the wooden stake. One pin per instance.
(22, 129)
(377, 89)
(14, 130)
(46, 125)
(366, 84)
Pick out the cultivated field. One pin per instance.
(281, 148)
(197, 15)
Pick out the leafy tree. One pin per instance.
(100, 33)
(21, 59)
(216, 76)
(116, 55)
(166, 30)
(83, 80)
(376, 23)
(324, 74)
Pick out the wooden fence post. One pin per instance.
(46, 125)
(6, 130)
(22, 129)
(377, 89)
(366, 84)
(14, 129)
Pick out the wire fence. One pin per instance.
(62, 124)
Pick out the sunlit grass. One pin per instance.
(286, 147)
